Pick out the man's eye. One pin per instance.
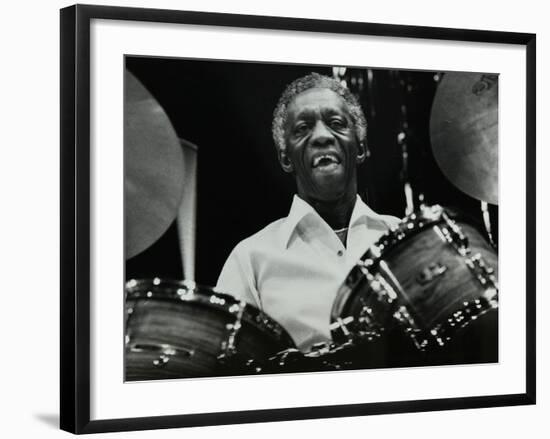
(300, 129)
(337, 124)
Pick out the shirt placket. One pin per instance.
(325, 242)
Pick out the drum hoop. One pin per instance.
(189, 291)
(344, 294)
(407, 227)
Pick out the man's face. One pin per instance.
(321, 146)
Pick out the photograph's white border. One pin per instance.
(111, 398)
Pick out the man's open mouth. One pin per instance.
(324, 160)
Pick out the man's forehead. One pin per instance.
(314, 98)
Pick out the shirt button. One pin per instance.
(340, 253)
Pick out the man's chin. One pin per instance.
(332, 185)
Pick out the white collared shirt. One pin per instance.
(293, 268)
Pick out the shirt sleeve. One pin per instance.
(237, 278)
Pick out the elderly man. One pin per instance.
(292, 268)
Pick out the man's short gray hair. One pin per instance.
(315, 80)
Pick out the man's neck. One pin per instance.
(337, 214)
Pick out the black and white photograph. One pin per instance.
(278, 218)
(297, 218)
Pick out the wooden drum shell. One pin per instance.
(188, 334)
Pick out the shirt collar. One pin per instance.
(300, 209)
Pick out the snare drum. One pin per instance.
(177, 329)
(425, 293)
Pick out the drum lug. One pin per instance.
(370, 329)
(229, 346)
(482, 272)
(411, 329)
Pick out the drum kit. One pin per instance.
(426, 293)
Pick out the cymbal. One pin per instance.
(153, 168)
(464, 132)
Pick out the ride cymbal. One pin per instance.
(464, 132)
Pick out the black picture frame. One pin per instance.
(75, 217)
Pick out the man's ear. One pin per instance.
(362, 152)
(285, 161)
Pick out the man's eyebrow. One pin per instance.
(333, 111)
(304, 112)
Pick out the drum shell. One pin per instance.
(430, 302)
(169, 336)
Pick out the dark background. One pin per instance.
(226, 109)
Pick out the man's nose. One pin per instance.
(321, 135)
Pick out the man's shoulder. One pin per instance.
(267, 236)
(377, 219)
